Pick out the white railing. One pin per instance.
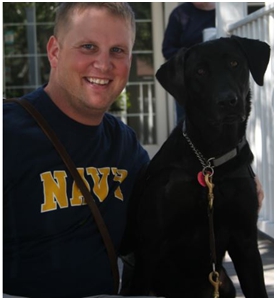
(260, 133)
(141, 116)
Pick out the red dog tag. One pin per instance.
(201, 179)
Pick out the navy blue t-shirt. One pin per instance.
(185, 27)
(52, 247)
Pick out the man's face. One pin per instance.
(92, 59)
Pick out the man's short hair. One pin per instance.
(120, 9)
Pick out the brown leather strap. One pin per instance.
(80, 183)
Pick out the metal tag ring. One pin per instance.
(208, 170)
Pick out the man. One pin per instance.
(186, 24)
(52, 247)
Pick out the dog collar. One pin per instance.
(214, 161)
(229, 155)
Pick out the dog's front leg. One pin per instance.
(248, 264)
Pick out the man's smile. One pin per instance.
(97, 81)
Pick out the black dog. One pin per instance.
(198, 198)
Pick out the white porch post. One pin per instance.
(171, 112)
(227, 13)
(168, 7)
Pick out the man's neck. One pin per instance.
(85, 117)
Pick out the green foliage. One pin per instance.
(121, 103)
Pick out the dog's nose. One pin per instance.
(227, 99)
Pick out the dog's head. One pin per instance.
(212, 79)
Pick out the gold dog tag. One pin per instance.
(210, 185)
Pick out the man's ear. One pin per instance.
(257, 54)
(171, 75)
(53, 51)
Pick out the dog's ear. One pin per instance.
(257, 54)
(171, 75)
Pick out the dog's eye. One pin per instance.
(201, 72)
(233, 63)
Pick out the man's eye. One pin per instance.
(88, 46)
(117, 50)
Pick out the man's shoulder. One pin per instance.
(183, 12)
(32, 97)
(15, 117)
(185, 7)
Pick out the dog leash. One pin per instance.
(80, 183)
(205, 178)
(214, 275)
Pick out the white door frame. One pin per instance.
(165, 119)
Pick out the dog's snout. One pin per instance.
(227, 100)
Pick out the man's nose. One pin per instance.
(102, 62)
